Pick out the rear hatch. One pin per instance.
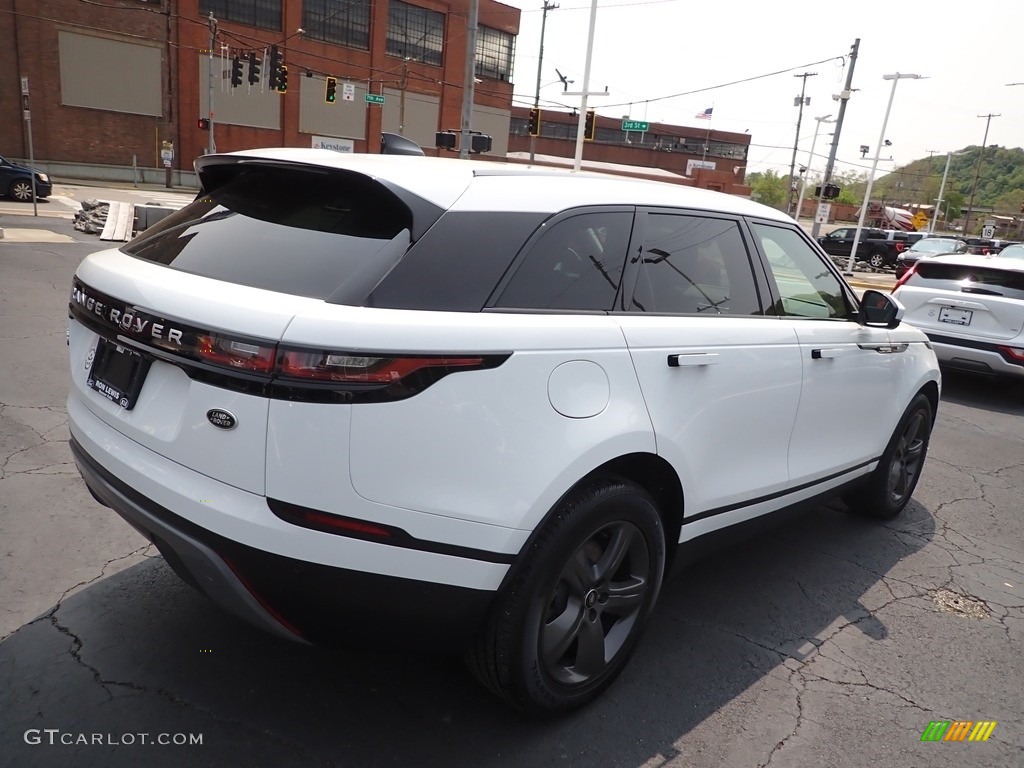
(984, 301)
(175, 337)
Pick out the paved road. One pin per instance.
(822, 641)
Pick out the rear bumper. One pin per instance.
(973, 356)
(290, 597)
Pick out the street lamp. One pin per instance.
(810, 160)
(874, 165)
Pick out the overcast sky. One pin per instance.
(645, 50)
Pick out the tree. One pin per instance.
(769, 188)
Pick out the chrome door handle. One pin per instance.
(689, 360)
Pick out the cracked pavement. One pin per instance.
(820, 640)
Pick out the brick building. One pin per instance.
(114, 81)
(699, 155)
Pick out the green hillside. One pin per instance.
(1000, 187)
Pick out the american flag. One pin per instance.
(705, 115)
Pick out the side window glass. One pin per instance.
(806, 286)
(694, 265)
(577, 264)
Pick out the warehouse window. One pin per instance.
(345, 22)
(415, 33)
(265, 14)
(494, 52)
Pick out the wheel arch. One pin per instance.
(649, 471)
(931, 391)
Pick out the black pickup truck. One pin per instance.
(878, 247)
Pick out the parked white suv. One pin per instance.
(476, 406)
(971, 308)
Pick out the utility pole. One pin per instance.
(801, 101)
(540, 60)
(977, 171)
(467, 92)
(585, 93)
(211, 146)
(842, 98)
(942, 188)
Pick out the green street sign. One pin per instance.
(373, 98)
(635, 125)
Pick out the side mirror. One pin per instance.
(880, 310)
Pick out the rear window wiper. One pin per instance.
(984, 291)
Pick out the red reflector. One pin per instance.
(331, 366)
(343, 523)
(1015, 352)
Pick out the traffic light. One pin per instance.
(204, 123)
(282, 80)
(274, 76)
(830, 192)
(533, 127)
(254, 69)
(590, 126)
(331, 91)
(236, 72)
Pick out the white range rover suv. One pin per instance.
(475, 406)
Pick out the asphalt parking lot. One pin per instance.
(820, 640)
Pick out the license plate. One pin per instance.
(955, 316)
(117, 373)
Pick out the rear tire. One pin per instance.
(889, 488)
(877, 260)
(568, 621)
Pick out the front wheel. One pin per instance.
(567, 623)
(21, 191)
(889, 488)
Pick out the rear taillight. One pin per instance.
(1012, 354)
(361, 369)
(234, 353)
(906, 276)
(900, 247)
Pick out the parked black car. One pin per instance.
(878, 247)
(16, 182)
(926, 249)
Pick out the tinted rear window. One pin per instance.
(299, 231)
(957, 277)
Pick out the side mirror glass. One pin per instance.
(880, 310)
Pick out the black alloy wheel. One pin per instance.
(571, 613)
(908, 458)
(888, 489)
(595, 604)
